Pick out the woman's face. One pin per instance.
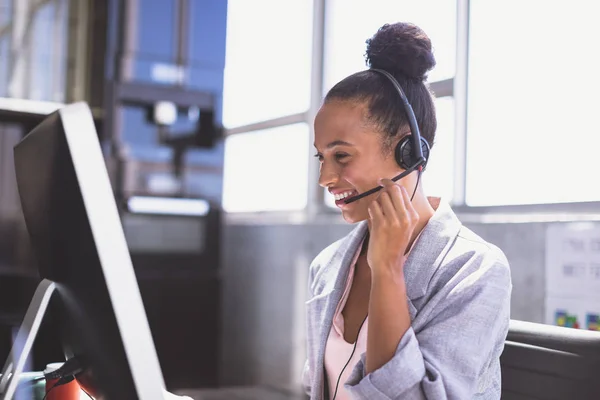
(351, 156)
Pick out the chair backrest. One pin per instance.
(543, 362)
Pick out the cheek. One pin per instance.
(367, 177)
(360, 178)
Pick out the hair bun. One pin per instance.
(401, 48)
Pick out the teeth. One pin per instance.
(341, 196)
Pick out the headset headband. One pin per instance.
(412, 120)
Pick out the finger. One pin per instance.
(397, 195)
(409, 210)
(375, 213)
(394, 191)
(386, 183)
(387, 206)
(406, 203)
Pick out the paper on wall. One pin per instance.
(573, 275)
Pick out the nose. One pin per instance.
(327, 176)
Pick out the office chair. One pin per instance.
(543, 362)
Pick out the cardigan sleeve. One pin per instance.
(456, 353)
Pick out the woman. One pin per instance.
(411, 304)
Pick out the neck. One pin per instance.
(425, 211)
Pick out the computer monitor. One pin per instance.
(84, 261)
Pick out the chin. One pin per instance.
(353, 217)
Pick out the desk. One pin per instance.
(36, 391)
(240, 393)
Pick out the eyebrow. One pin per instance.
(337, 143)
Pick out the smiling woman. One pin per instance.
(386, 302)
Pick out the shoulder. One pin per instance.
(473, 261)
(482, 252)
(473, 279)
(449, 254)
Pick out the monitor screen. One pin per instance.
(79, 244)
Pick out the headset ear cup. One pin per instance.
(405, 156)
(425, 149)
(404, 153)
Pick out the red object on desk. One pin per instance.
(68, 391)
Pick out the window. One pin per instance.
(351, 22)
(532, 109)
(4, 64)
(6, 10)
(39, 60)
(267, 170)
(41, 57)
(268, 60)
(438, 177)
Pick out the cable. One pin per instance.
(72, 366)
(84, 391)
(419, 171)
(349, 358)
(62, 381)
(53, 386)
(65, 374)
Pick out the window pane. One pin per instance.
(267, 170)
(41, 82)
(351, 22)
(439, 176)
(37, 67)
(532, 117)
(268, 60)
(6, 10)
(4, 64)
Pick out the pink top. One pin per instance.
(337, 350)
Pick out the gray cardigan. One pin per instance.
(458, 289)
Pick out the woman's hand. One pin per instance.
(392, 221)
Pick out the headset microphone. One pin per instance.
(378, 188)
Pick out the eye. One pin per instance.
(337, 156)
(340, 156)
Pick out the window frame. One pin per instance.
(457, 87)
(517, 213)
(316, 202)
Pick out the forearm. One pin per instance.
(389, 317)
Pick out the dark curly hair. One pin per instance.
(405, 51)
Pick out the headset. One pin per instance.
(412, 152)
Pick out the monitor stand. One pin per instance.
(9, 379)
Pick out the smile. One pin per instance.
(342, 196)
